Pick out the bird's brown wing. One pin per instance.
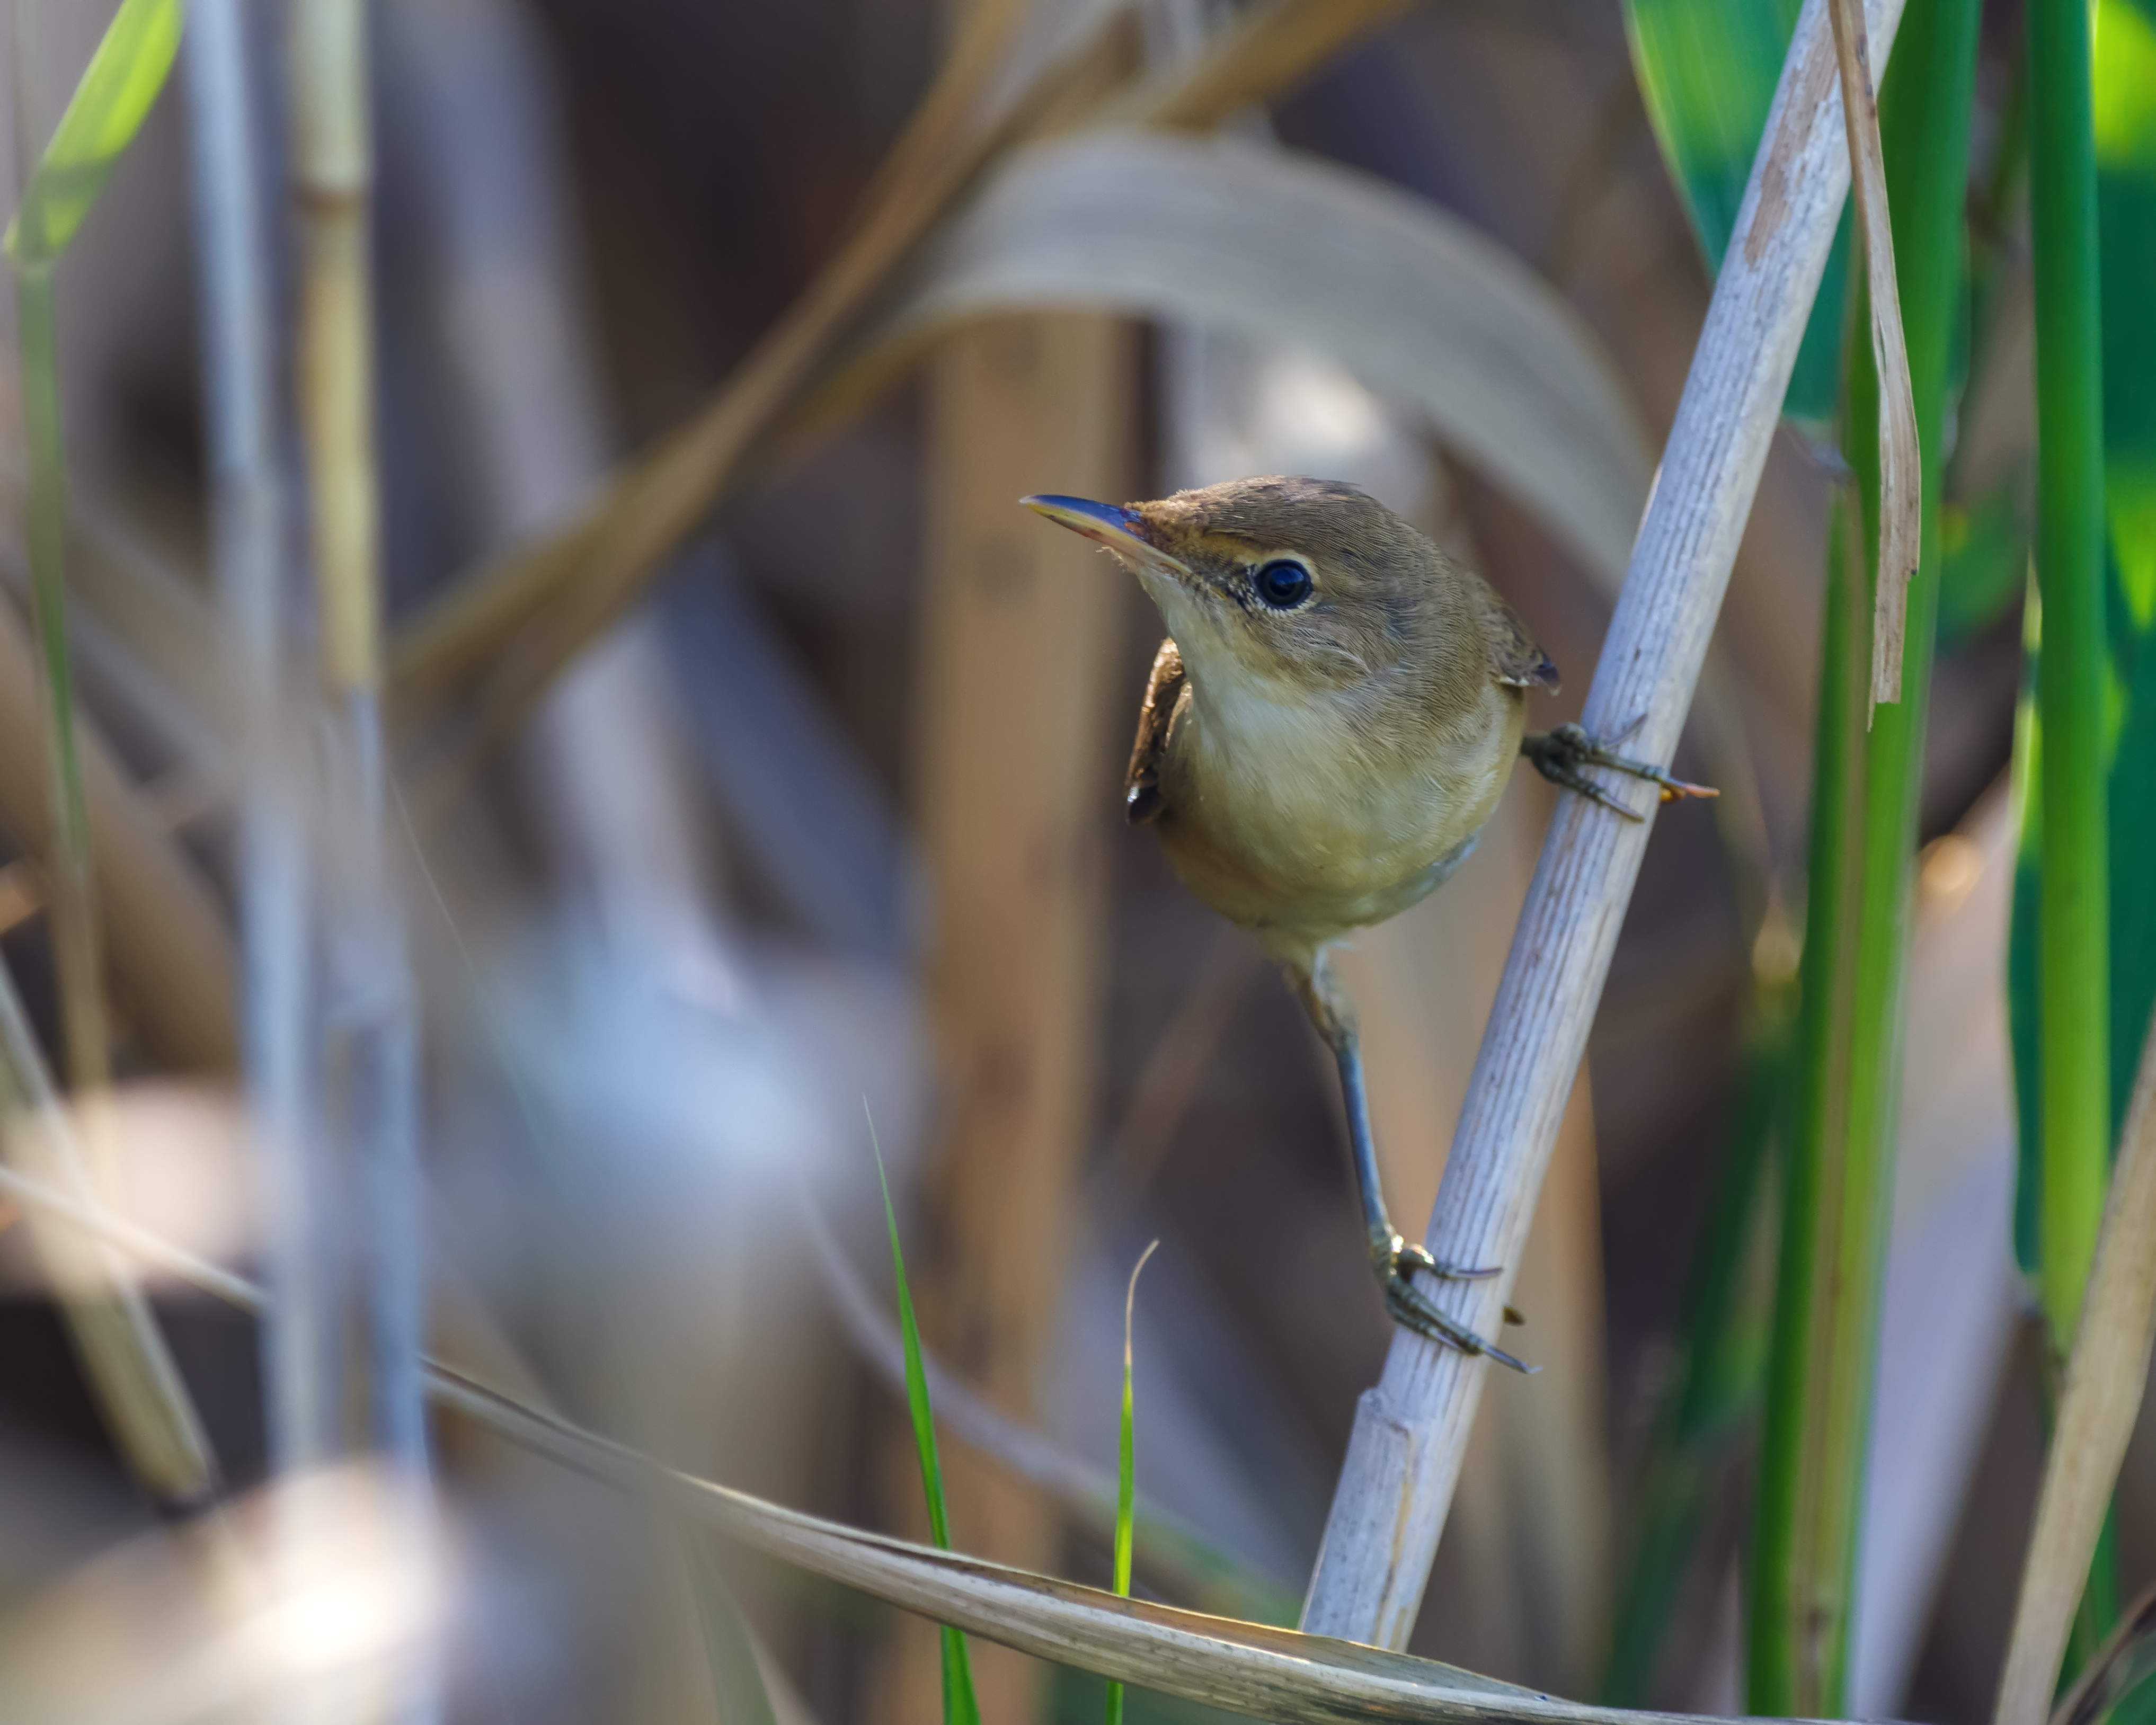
(1141, 779)
(1515, 659)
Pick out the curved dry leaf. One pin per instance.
(1250, 1668)
(1901, 474)
(1288, 248)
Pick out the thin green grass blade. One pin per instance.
(1126, 1489)
(106, 111)
(1706, 71)
(738, 1691)
(959, 1706)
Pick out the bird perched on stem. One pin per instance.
(1330, 722)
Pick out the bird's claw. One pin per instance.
(1396, 1262)
(1560, 754)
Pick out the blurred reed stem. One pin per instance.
(1858, 924)
(72, 917)
(373, 1051)
(2073, 671)
(270, 862)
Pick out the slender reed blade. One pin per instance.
(1126, 1472)
(959, 1706)
(75, 924)
(107, 109)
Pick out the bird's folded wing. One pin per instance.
(1141, 779)
(1515, 659)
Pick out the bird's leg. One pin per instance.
(1559, 756)
(1395, 1259)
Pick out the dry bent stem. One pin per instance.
(1411, 1429)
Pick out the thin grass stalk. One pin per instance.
(71, 894)
(1840, 1189)
(370, 1011)
(2073, 674)
(247, 528)
(130, 1370)
(1410, 1432)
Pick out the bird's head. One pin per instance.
(1290, 588)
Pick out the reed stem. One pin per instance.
(1858, 924)
(247, 526)
(2073, 673)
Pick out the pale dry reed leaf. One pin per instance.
(1901, 471)
(1274, 1674)
(526, 614)
(2105, 1378)
(1227, 233)
(1268, 48)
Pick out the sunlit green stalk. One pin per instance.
(1856, 956)
(2072, 945)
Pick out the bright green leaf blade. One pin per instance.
(737, 1688)
(1707, 70)
(959, 1706)
(102, 117)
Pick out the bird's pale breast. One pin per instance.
(1302, 820)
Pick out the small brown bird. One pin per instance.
(1326, 728)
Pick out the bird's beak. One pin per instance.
(1122, 531)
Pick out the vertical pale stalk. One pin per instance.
(73, 906)
(1840, 1188)
(247, 514)
(1410, 1434)
(370, 1009)
(1017, 656)
(2073, 671)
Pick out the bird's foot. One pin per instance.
(1396, 1262)
(1561, 755)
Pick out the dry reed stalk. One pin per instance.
(374, 1032)
(130, 1370)
(171, 956)
(1018, 637)
(1533, 1525)
(1411, 1429)
(244, 667)
(2105, 1378)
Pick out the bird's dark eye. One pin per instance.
(1283, 584)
